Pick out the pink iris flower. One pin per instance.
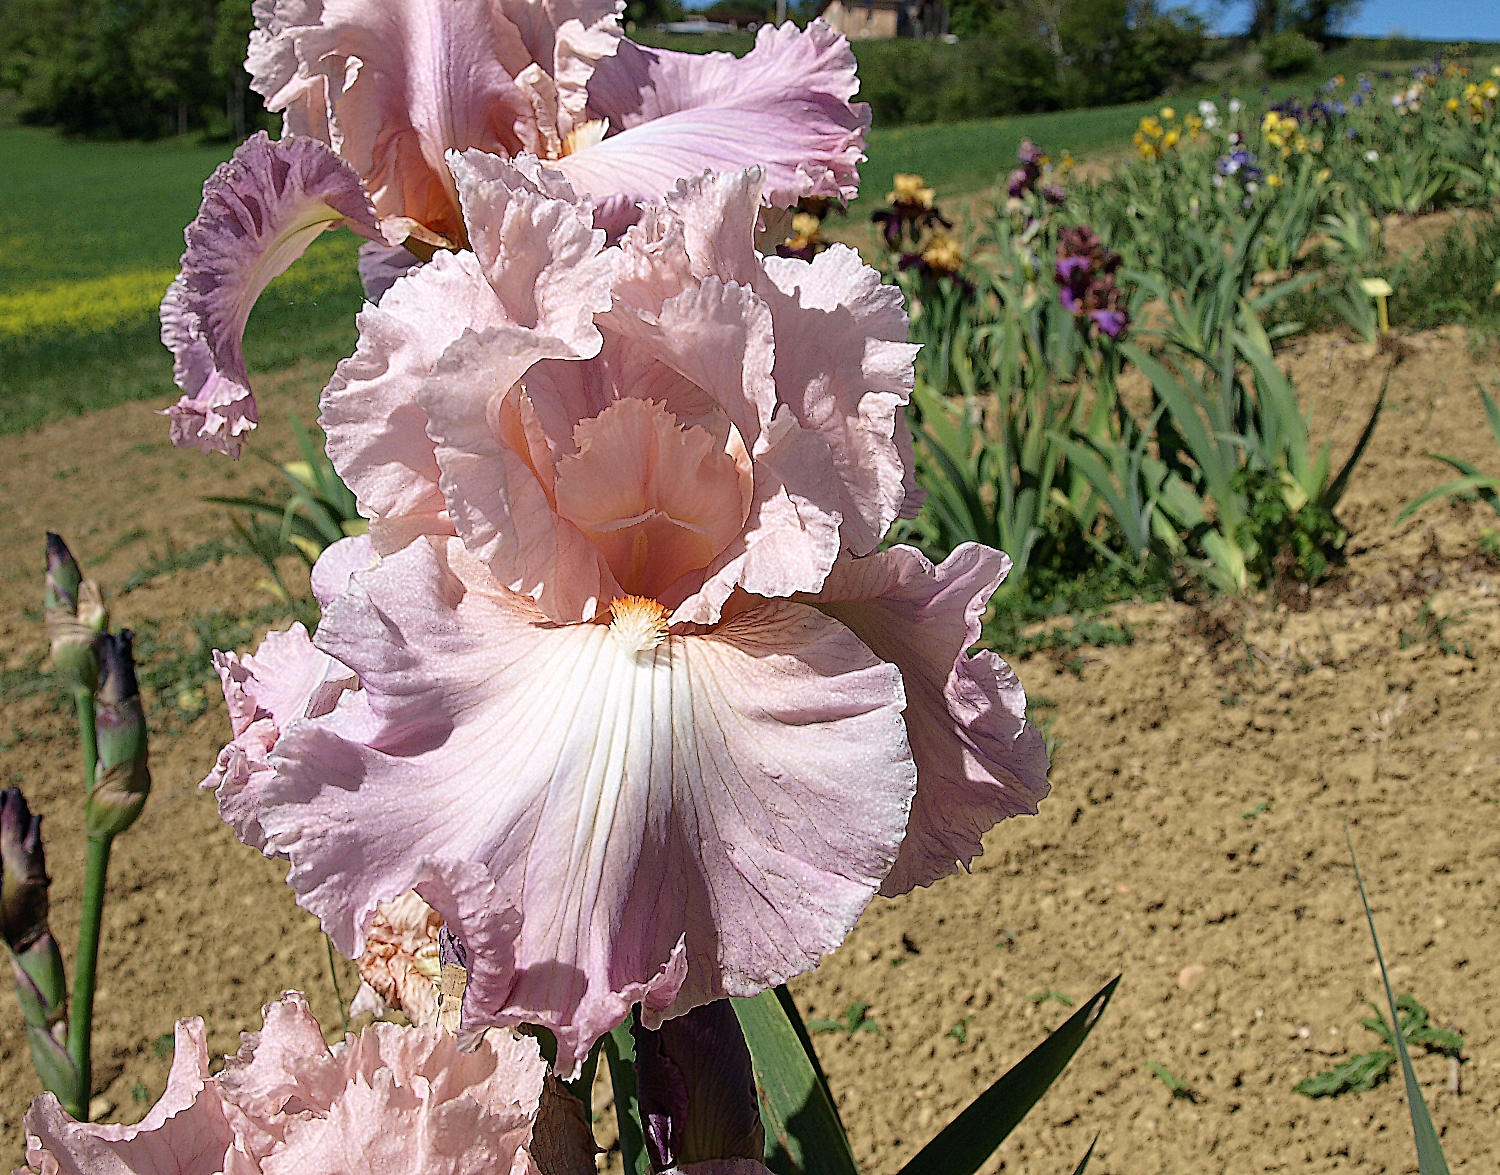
(375, 93)
(389, 1101)
(643, 711)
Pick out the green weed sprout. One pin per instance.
(1179, 1087)
(857, 1018)
(1042, 997)
(960, 1031)
(1364, 1072)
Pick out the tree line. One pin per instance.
(148, 68)
(130, 68)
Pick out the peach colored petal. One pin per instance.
(978, 759)
(657, 499)
(497, 503)
(675, 824)
(184, 1134)
(791, 537)
(400, 961)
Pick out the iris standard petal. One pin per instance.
(784, 106)
(260, 212)
(673, 823)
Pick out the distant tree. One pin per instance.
(646, 13)
(130, 68)
(1318, 20)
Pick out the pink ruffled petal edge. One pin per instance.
(978, 759)
(784, 106)
(260, 211)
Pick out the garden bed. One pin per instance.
(1194, 839)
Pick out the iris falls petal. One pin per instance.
(260, 212)
(668, 819)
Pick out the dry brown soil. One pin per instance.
(1194, 841)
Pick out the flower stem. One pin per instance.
(81, 1018)
(333, 973)
(87, 736)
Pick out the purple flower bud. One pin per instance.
(75, 615)
(124, 779)
(1030, 154)
(23, 872)
(697, 1089)
(63, 576)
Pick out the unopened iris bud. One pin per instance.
(35, 959)
(23, 872)
(124, 779)
(75, 617)
(63, 576)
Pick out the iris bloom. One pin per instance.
(387, 1102)
(643, 712)
(374, 93)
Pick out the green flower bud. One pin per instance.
(75, 617)
(124, 779)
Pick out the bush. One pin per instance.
(1289, 53)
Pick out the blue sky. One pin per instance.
(1435, 20)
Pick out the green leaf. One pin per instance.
(1083, 1163)
(803, 1131)
(1430, 1159)
(1335, 492)
(619, 1051)
(1356, 1075)
(963, 1145)
(1457, 486)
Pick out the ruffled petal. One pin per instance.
(978, 759)
(676, 824)
(845, 368)
(791, 537)
(338, 563)
(376, 430)
(784, 106)
(185, 1133)
(260, 212)
(411, 1103)
(406, 82)
(498, 506)
(287, 678)
(540, 251)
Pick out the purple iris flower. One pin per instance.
(1111, 322)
